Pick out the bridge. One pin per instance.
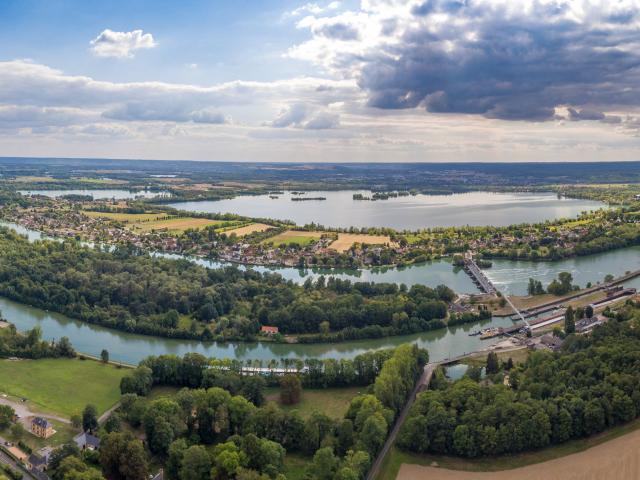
(477, 275)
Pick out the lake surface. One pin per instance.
(97, 194)
(410, 212)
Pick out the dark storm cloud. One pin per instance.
(491, 62)
(338, 31)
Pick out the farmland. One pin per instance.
(346, 240)
(293, 236)
(146, 222)
(248, 229)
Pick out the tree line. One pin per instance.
(592, 385)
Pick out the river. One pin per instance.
(409, 212)
(508, 275)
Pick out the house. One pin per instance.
(36, 462)
(269, 330)
(41, 427)
(86, 441)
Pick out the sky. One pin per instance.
(321, 81)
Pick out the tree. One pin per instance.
(253, 389)
(104, 356)
(588, 311)
(123, 457)
(113, 424)
(196, 464)
(90, 418)
(76, 420)
(6, 416)
(493, 364)
(569, 322)
(174, 459)
(290, 389)
(17, 430)
(324, 464)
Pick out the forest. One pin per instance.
(207, 432)
(591, 385)
(129, 290)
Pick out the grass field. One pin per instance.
(333, 402)
(396, 457)
(126, 217)
(518, 356)
(248, 229)
(295, 466)
(293, 236)
(62, 386)
(346, 240)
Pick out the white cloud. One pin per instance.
(121, 44)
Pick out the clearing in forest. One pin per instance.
(346, 240)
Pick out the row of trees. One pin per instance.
(196, 371)
(592, 385)
(29, 344)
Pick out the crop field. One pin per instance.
(248, 229)
(33, 179)
(62, 386)
(294, 236)
(346, 240)
(146, 222)
(178, 224)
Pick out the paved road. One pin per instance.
(423, 381)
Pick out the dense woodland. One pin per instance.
(591, 385)
(29, 344)
(132, 291)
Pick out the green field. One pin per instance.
(292, 236)
(62, 386)
(295, 466)
(333, 402)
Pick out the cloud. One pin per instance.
(302, 116)
(312, 8)
(121, 44)
(493, 58)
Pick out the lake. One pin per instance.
(97, 194)
(410, 212)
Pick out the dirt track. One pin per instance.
(618, 459)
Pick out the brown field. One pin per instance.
(617, 459)
(346, 240)
(247, 229)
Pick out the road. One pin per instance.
(423, 381)
(23, 411)
(103, 418)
